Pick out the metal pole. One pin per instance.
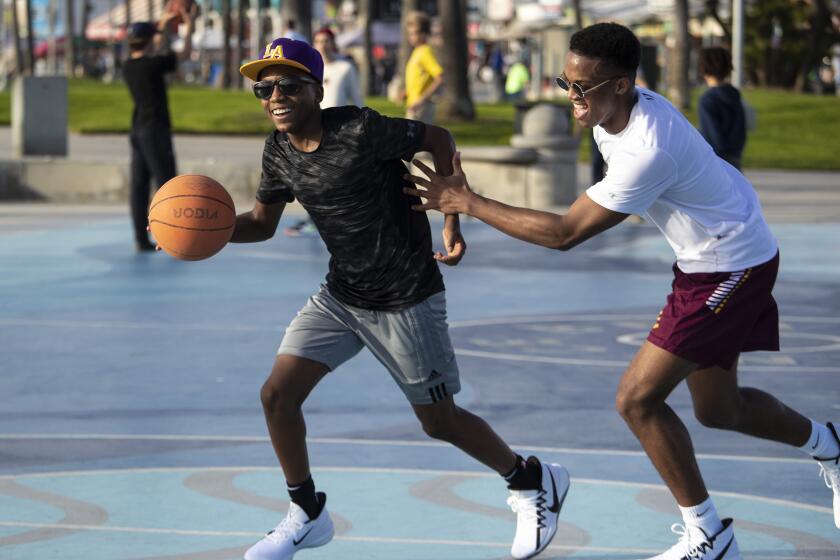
(738, 43)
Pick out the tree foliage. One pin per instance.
(785, 41)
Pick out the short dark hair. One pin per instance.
(715, 61)
(611, 42)
(420, 21)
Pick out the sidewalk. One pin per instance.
(787, 196)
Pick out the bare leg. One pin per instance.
(445, 421)
(282, 395)
(720, 403)
(651, 377)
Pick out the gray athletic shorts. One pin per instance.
(413, 343)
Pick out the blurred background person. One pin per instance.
(293, 33)
(721, 111)
(423, 72)
(341, 87)
(152, 153)
(518, 78)
(341, 80)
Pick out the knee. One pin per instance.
(439, 427)
(275, 399)
(632, 404)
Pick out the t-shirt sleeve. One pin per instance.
(393, 138)
(273, 187)
(430, 63)
(634, 180)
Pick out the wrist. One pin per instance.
(471, 203)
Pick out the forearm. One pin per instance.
(534, 226)
(187, 50)
(451, 223)
(254, 226)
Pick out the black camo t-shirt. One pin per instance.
(352, 188)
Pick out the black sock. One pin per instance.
(304, 495)
(526, 475)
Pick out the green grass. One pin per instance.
(794, 131)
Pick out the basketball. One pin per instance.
(192, 217)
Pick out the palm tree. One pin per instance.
(16, 39)
(69, 38)
(578, 14)
(240, 38)
(457, 102)
(679, 89)
(30, 40)
(408, 6)
(363, 19)
(226, 54)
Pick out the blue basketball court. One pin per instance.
(131, 426)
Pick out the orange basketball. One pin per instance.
(192, 217)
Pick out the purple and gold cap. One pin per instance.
(288, 52)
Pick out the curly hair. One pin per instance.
(715, 61)
(611, 42)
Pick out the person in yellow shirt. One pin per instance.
(423, 73)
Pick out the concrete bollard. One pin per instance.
(39, 116)
(553, 176)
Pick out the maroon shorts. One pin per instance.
(710, 318)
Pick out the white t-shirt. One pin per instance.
(341, 85)
(660, 166)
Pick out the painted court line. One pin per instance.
(361, 539)
(412, 471)
(383, 443)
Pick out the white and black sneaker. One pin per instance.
(296, 531)
(537, 511)
(721, 546)
(830, 471)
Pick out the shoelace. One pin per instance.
(684, 545)
(525, 506)
(831, 476)
(287, 528)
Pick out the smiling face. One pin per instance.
(294, 113)
(607, 104)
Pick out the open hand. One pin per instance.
(455, 246)
(448, 194)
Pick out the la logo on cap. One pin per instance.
(277, 52)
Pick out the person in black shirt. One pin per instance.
(722, 118)
(383, 290)
(152, 154)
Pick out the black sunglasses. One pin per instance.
(288, 87)
(575, 87)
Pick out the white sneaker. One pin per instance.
(296, 531)
(830, 471)
(717, 547)
(537, 512)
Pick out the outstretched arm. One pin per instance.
(452, 194)
(259, 224)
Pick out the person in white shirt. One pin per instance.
(341, 87)
(659, 166)
(341, 81)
